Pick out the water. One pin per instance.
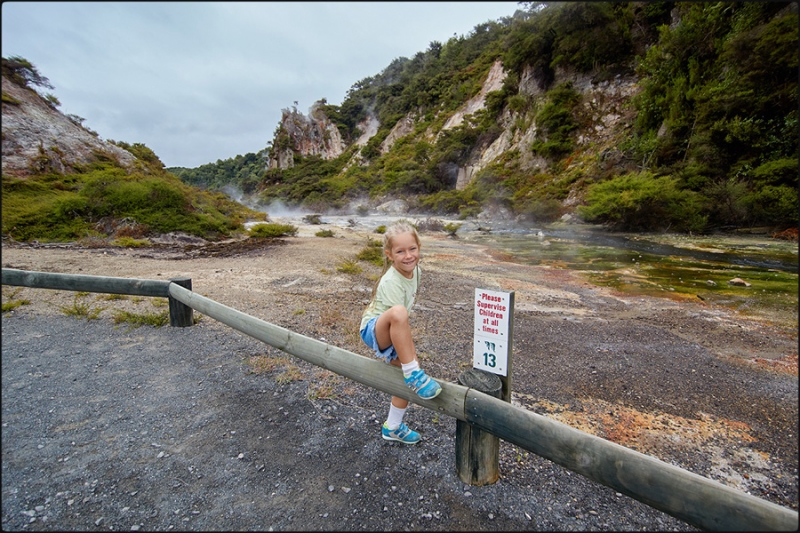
(666, 265)
(585, 247)
(673, 266)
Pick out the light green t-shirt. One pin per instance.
(393, 289)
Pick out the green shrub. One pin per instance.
(772, 205)
(8, 99)
(130, 242)
(543, 210)
(324, 233)
(451, 228)
(142, 319)
(454, 201)
(556, 122)
(81, 310)
(12, 304)
(349, 266)
(55, 207)
(642, 201)
(777, 172)
(273, 229)
(372, 253)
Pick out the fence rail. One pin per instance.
(695, 499)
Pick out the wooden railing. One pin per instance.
(692, 498)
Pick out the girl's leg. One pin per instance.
(393, 329)
(394, 420)
(400, 403)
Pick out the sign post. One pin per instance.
(494, 329)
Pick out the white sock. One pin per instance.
(408, 368)
(395, 417)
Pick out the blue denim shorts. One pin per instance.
(368, 336)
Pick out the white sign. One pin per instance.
(492, 319)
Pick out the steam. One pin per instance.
(278, 209)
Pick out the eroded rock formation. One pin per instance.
(39, 138)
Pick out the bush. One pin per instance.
(349, 266)
(543, 210)
(451, 228)
(130, 242)
(556, 123)
(430, 224)
(324, 233)
(642, 201)
(772, 205)
(372, 253)
(272, 229)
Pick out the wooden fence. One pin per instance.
(692, 498)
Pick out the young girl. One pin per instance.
(385, 327)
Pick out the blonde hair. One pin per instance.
(401, 227)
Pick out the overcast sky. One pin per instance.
(202, 81)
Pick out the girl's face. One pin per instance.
(404, 254)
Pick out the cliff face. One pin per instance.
(312, 135)
(602, 109)
(37, 137)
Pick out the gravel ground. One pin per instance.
(203, 428)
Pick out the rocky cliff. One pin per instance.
(38, 138)
(312, 135)
(603, 108)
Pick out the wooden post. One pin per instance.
(180, 314)
(506, 380)
(477, 451)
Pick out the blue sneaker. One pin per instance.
(401, 434)
(422, 384)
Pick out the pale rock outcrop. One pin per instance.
(282, 158)
(36, 135)
(393, 207)
(603, 108)
(494, 82)
(529, 83)
(312, 135)
(368, 128)
(403, 127)
(465, 175)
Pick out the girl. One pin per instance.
(385, 327)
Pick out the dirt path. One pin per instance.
(693, 385)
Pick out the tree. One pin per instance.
(21, 71)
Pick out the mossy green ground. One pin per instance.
(772, 293)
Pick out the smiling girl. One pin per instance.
(385, 326)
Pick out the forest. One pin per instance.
(713, 142)
(707, 142)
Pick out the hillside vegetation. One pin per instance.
(642, 116)
(101, 198)
(708, 140)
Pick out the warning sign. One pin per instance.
(493, 318)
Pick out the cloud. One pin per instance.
(202, 81)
